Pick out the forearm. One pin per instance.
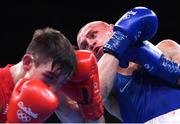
(171, 50)
(154, 62)
(107, 67)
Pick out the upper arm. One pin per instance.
(107, 67)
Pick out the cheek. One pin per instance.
(103, 39)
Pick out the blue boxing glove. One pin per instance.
(153, 60)
(138, 24)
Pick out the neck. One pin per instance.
(17, 72)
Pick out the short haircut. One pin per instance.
(48, 43)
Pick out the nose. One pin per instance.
(92, 45)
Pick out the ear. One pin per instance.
(27, 61)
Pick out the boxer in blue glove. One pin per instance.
(134, 94)
(133, 28)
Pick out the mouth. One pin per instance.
(98, 51)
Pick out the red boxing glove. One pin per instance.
(31, 101)
(84, 86)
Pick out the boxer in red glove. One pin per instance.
(84, 87)
(49, 58)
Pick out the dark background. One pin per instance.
(19, 19)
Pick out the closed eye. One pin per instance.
(92, 34)
(50, 76)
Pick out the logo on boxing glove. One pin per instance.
(128, 15)
(24, 113)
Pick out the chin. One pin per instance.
(98, 56)
(99, 53)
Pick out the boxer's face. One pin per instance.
(93, 36)
(44, 71)
(50, 75)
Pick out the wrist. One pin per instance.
(117, 44)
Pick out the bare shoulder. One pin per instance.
(170, 49)
(168, 43)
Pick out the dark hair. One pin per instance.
(48, 43)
